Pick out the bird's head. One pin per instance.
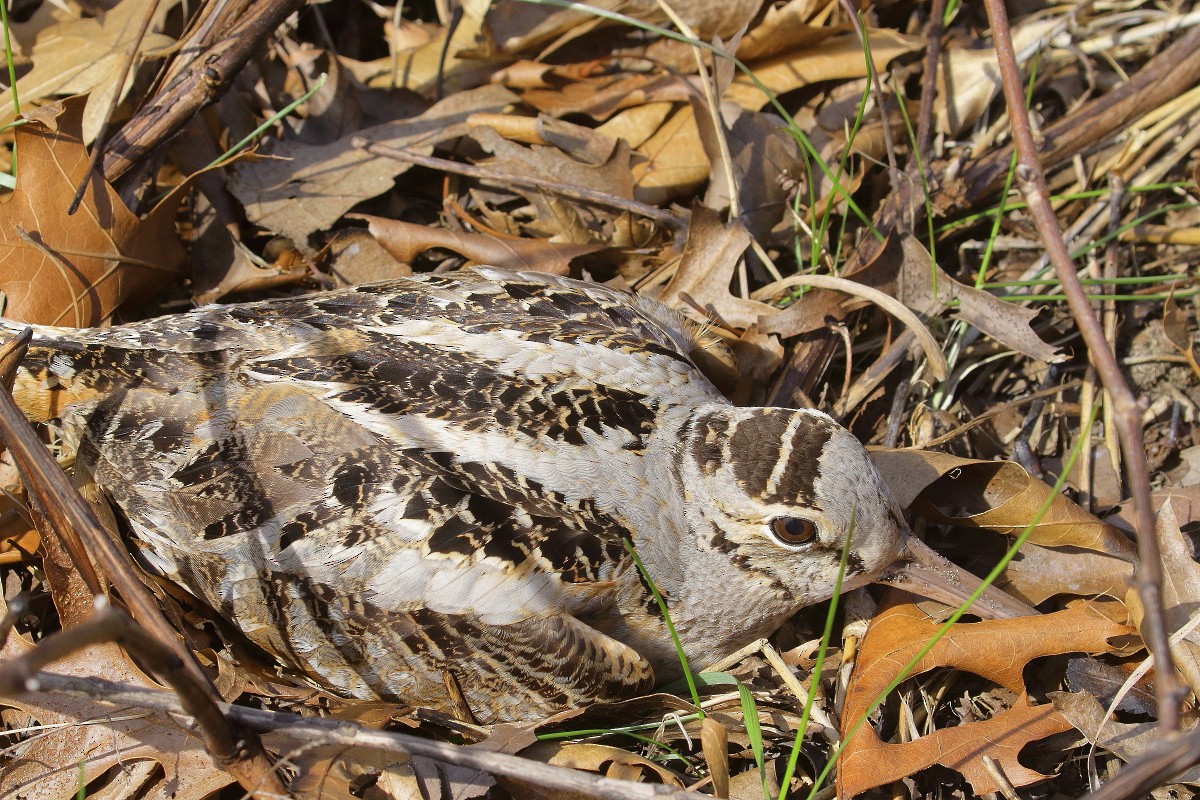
(780, 491)
(776, 494)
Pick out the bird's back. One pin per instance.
(389, 484)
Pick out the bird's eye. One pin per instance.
(794, 530)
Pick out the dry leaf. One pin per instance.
(304, 189)
(76, 270)
(997, 495)
(601, 95)
(353, 256)
(765, 157)
(714, 740)
(998, 650)
(1180, 593)
(1038, 573)
(1007, 323)
(968, 80)
(459, 64)
(786, 27)
(832, 58)
(710, 256)
(337, 772)
(521, 27)
(405, 241)
(1124, 740)
(85, 738)
(675, 162)
(566, 219)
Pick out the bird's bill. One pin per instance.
(922, 571)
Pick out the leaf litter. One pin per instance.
(555, 98)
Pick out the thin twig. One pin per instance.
(98, 145)
(349, 734)
(933, 55)
(1032, 182)
(109, 624)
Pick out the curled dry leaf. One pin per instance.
(405, 241)
(998, 650)
(997, 495)
(76, 270)
(1070, 551)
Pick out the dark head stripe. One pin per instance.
(774, 466)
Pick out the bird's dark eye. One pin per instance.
(794, 530)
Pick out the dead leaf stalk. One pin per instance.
(1165, 76)
(1032, 182)
(933, 56)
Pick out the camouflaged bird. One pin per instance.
(385, 484)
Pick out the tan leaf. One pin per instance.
(306, 188)
(1125, 740)
(1038, 573)
(790, 26)
(353, 256)
(405, 241)
(459, 64)
(1180, 593)
(998, 495)
(1007, 323)
(76, 270)
(706, 268)
(969, 79)
(602, 95)
(832, 58)
(675, 162)
(998, 650)
(521, 27)
(636, 125)
(714, 741)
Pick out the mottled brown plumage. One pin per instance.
(384, 484)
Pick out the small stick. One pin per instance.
(349, 734)
(933, 54)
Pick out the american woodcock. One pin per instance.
(385, 484)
